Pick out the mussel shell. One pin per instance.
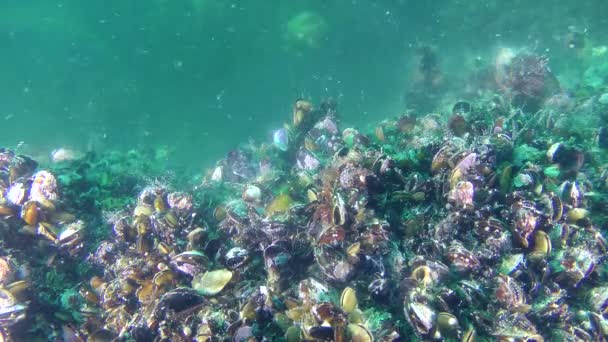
(145, 293)
(446, 322)
(143, 244)
(71, 233)
(212, 282)
(191, 257)
(359, 333)
(569, 158)
(142, 224)
(30, 213)
(542, 245)
(143, 210)
(293, 334)
(571, 193)
(469, 335)
(18, 287)
(328, 312)
(163, 248)
(176, 301)
(331, 235)
(7, 299)
(348, 299)
(95, 282)
(47, 231)
(101, 335)
(159, 204)
(338, 214)
(62, 217)
(236, 257)
(422, 275)
(323, 332)
(576, 214)
(420, 316)
(164, 277)
(440, 160)
(6, 210)
(21, 166)
(461, 107)
(457, 124)
(71, 333)
(170, 219)
(353, 249)
(555, 208)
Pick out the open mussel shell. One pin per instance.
(143, 210)
(348, 299)
(446, 322)
(71, 234)
(212, 282)
(145, 293)
(191, 257)
(461, 107)
(420, 316)
(339, 214)
(572, 193)
(576, 214)
(542, 246)
(236, 257)
(422, 275)
(18, 288)
(164, 277)
(359, 333)
(48, 231)
(30, 213)
(552, 206)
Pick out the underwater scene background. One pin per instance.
(184, 74)
(399, 170)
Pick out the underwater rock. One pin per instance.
(525, 78)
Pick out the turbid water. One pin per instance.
(210, 170)
(203, 76)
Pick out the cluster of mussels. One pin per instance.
(33, 226)
(485, 225)
(432, 229)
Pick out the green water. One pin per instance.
(201, 76)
